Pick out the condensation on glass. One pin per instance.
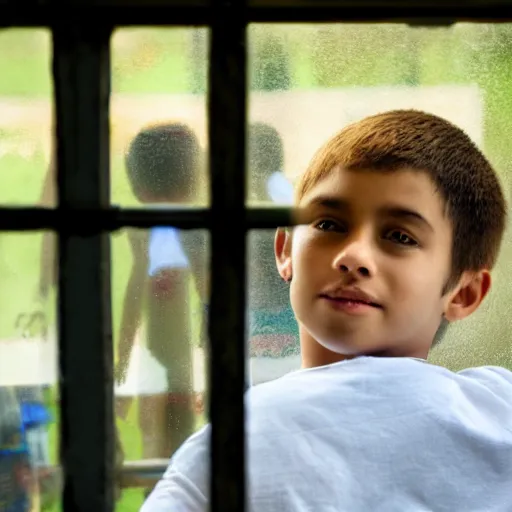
(308, 81)
(29, 471)
(272, 332)
(159, 292)
(159, 83)
(26, 120)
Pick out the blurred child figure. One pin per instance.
(163, 164)
(273, 336)
(33, 400)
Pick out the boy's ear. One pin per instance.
(283, 252)
(467, 296)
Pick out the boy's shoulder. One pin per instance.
(384, 379)
(495, 378)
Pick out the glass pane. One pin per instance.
(308, 81)
(273, 337)
(159, 286)
(158, 116)
(29, 472)
(26, 120)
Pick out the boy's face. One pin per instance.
(369, 268)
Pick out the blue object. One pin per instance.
(34, 415)
(14, 455)
(165, 250)
(279, 189)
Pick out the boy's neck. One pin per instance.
(313, 354)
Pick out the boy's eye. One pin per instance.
(399, 237)
(328, 225)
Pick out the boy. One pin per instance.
(163, 164)
(34, 397)
(401, 222)
(273, 332)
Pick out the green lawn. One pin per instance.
(157, 60)
(131, 499)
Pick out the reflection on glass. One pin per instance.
(158, 80)
(159, 291)
(309, 81)
(29, 474)
(25, 123)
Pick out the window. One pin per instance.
(423, 59)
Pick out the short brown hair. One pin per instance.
(412, 139)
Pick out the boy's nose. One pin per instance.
(363, 271)
(355, 258)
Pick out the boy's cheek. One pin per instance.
(300, 241)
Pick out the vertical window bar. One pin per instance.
(227, 116)
(81, 70)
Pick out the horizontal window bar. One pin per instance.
(75, 6)
(142, 473)
(200, 12)
(89, 221)
(136, 473)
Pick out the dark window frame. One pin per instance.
(84, 217)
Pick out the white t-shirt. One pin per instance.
(370, 434)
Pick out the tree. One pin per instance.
(270, 66)
(198, 60)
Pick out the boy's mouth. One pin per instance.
(351, 297)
